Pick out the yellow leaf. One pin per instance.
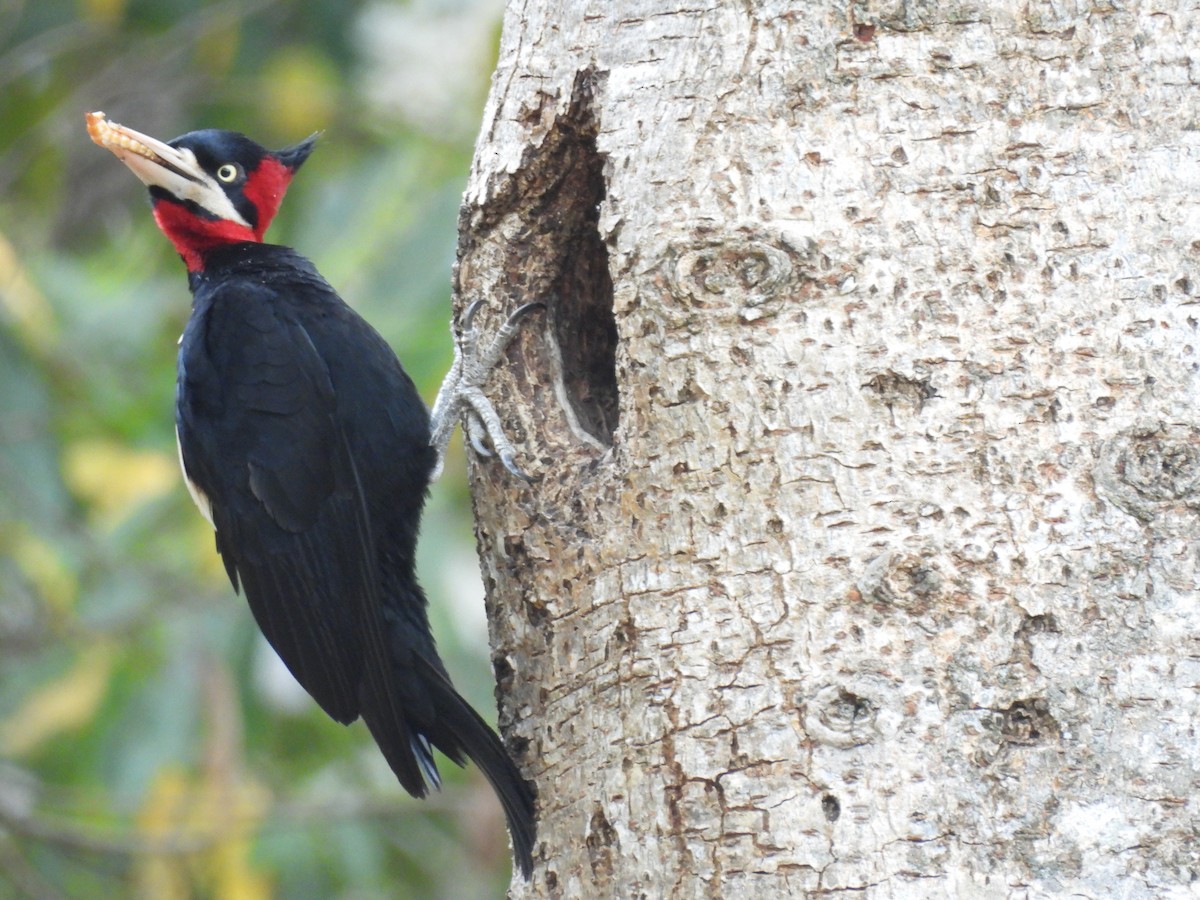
(23, 302)
(164, 815)
(235, 879)
(106, 12)
(217, 818)
(301, 91)
(217, 45)
(41, 563)
(115, 479)
(62, 705)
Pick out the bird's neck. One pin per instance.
(260, 262)
(196, 237)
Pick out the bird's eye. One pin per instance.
(228, 173)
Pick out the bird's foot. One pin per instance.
(461, 393)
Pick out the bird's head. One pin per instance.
(208, 187)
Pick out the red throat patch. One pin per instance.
(265, 187)
(194, 235)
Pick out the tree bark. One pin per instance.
(862, 551)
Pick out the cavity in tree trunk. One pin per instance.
(862, 553)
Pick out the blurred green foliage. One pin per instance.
(148, 746)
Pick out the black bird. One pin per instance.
(306, 446)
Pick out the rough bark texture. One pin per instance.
(864, 550)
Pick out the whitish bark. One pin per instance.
(886, 577)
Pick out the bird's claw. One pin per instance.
(472, 428)
(469, 315)
(506, 459)
(462, 391)
(521, 312)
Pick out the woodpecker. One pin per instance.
(307, 447)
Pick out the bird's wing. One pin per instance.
(263, 442)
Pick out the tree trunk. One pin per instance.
(862, 551)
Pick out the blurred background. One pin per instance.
(150, 743)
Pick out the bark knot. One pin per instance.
(1152, 471)
(740, 274)
(841, 718)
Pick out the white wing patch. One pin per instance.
(201, 499)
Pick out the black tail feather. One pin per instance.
(459, 731)
(407, 753)
(449, 723)
(423, 753)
